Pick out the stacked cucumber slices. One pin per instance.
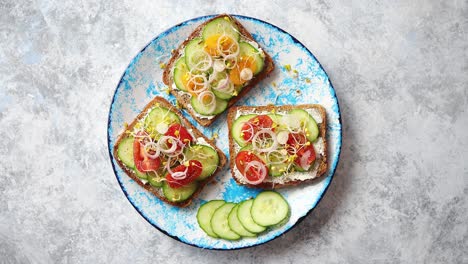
(215, 66)
(226, 220)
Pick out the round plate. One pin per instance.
(305, 83)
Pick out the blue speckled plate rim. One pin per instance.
(164, 33)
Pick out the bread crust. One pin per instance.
(323, 167)
(155, 190)
(184, 100)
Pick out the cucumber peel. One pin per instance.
(125, 152)
(221, 26)
(236, 130)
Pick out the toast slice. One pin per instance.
(196, 134)
(184, 98)
(318, 168)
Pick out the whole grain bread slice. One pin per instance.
(155, 190)
(323, 165)
(184, 99)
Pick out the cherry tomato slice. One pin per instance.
(295, 141)
(143, 163)
(179, 132)
(254, 174)
(194, 169)
(151, 164)
(255, 124)
(305, 157)
(298, 144)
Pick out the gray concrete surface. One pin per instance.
(400, 69)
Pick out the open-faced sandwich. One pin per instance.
(214, 67)
(166, 155)
(277, 146)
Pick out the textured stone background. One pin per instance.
(400, 69)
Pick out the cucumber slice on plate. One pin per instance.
(179, 194)
(180, 72)
(236, 129)
(283, 222)
(245, 218)
(125, 152)
(205, 213)
(219, 222)
(269, 208)
(207, 156)
(159, 116)
(220, 26)
(221, 105)
(236, 225)
(195, 54)
(308, 121)
(247, 50)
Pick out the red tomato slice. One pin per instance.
(179, 132)
(151, 164)
(255, 174)
(295, 141)
(297, 144)
(255, 124)
(194, 169)
(305, 157)
(143, 163)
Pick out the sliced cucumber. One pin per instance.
(245, 218)
(269, 208)
(236, 225)
(308, 121)
(246, 148)
(276, 118)
(205, 213)
(221, 95)
(141, 175)
(247, 50)
(236, 130)
(221, 105)
(278, 169)
(283, 222)
(159, 115)
(207, 156)
(180, 70)
(179, 194)
(299, 168)
(195, 53)
(155, 180)
(220, 26)
(214, 83)
(125, 152)
(219, 222)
